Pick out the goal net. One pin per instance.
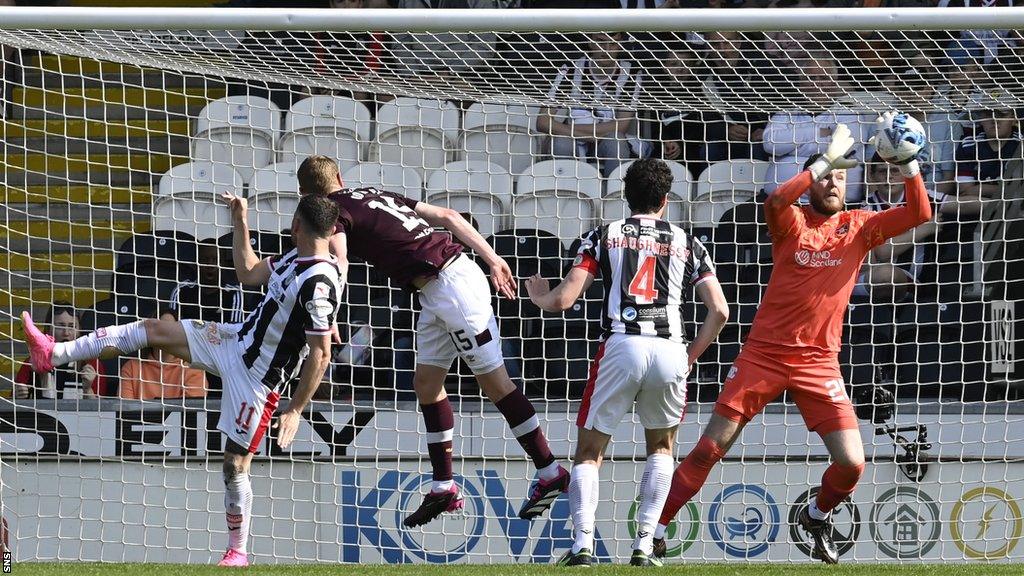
(121, 129)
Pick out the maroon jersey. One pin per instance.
(383, 229)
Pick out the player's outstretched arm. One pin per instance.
(710, 293)
(564, 295)
(249, 268)
(313, 369)
(501, 274)
(917, 208)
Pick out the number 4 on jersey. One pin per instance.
(642, 287)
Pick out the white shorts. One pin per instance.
(650, 370)
(246, 404)
(457, 320)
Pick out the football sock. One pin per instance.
(238, 510)
(126, 338)
(440, 423)
(653, 491)
(522, 419)
(660, 531)
(837, 483)
(583, 493)
(690, 476)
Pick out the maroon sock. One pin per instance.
(440, 422)
(522, 419)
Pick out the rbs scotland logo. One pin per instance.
(818, 259)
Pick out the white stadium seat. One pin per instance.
(501, 134)
(273, 197)
(239, 131)
(613, 206)
(188, 199)
(389, 177)
(558, 196)
(723, 185)
(416, 133)
(481, 189)
(330, 125)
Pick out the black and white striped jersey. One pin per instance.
(303, 296)
(648, 266)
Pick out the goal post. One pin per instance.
(121, 127)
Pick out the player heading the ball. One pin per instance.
(794, 342)
(409, 242)
(289, 334)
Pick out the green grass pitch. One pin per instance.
(696, 569)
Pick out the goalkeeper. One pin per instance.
(793, 345)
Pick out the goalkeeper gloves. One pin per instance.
(909, 167)
(838, 156)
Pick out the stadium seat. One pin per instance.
(480, 189)
(188, 199)
(416, 133)
(613, 205)
(561, 197)
(265, 244)
(334, 126)
(157, 249)
(389, 177)
(722, 186)
(273, 197)
(941, 350)
(501, 134)
(239, 131)
(527, 252)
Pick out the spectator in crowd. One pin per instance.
(70, 381)
(733, 77)
(895, 266)
(215, 297)
(792, 137)
(155, 375)
(603, 133)
(990, 159)
(682, 135)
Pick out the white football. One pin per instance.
(902, 140)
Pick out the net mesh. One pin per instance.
(116, 144)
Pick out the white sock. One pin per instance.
(549, 472)
(127, 338)
(812, 509)
(660, 531)
(653, 493)
(583, 493)
(238, 511)
(441, 485)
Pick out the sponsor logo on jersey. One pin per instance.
(629, 313)
(733, 371)
(629, 229)
(578, 260)
(843, 229)
(816, 259)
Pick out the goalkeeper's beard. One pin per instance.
(826, 205)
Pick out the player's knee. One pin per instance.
(853, 464)
(706, 453)
(233, 467)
